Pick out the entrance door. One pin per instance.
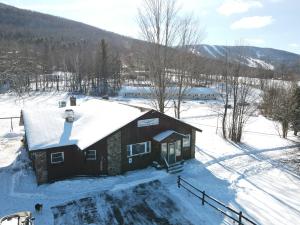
(172, 154)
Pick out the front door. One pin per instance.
(172, 154)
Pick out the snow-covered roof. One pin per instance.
(147, 90)
(94, 120)
(201, 90)
(133, 89)
(163, 135)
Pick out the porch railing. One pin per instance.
(167, 164)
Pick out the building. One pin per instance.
(194, 93)
(100, 137)
(4, 86)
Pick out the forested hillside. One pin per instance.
(34, 46)
(26, 25)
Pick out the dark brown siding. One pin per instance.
(132, 134)
(75, 162)
(71, 165)
(98, 166)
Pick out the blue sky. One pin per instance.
(262, 23)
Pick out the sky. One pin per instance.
(262, 23)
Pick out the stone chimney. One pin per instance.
(69, 115)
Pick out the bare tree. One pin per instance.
(189, 36)
(225, 75)
(17, 69)
(239, 99)
(280, 103)
(158, 24)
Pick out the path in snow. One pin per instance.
(267, 189)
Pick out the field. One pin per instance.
(257, 176)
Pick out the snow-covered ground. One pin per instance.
(250, 177)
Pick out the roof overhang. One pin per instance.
(167, 134)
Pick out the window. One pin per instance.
(91, 155)
(139, 148)
(164, 150)
(57, 157)
(186, 141)
(178, 148)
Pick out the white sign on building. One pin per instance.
(148, 122)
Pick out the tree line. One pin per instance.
(45, 65)
(281, 102)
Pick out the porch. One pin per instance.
(172, 146)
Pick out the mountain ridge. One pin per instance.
(22, 24)
(252, 56)
(16, 23)
(253, 46)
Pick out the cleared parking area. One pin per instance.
(147, 203)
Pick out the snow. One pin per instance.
(145, 89)
(131, 91)
(163, 135)
(206, 48)
(13, 221)
(217, 50)
(249, 176)
(258, 62)
(146, 203)
(201, 90)
(94, 120)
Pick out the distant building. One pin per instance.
(195, 93)
(100, 137)
(4, 86)
(201, 93)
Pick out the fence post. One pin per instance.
(178, 181)
(240, 217)
(203, 196)
(11, 125)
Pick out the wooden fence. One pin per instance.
(11, 119)
(214, 203)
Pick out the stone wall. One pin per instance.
(193, 140)
(114, 154)
(40, 164)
